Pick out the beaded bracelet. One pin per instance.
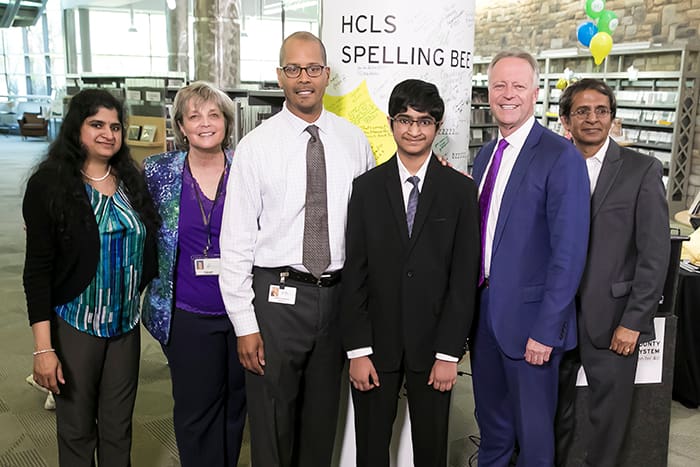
(39, 352)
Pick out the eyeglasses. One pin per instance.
(406, 122)
(585, 112)
(294, 71)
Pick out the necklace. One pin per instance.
(98, 179)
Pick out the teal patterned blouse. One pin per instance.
(109, 306)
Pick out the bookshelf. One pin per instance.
(252, 106)
(144, 96)
(657, 107)
(142, 149)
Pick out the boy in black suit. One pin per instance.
(409, 283)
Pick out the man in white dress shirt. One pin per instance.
(282, 251)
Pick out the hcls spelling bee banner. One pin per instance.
(373, 45)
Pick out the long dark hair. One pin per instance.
(66, 157)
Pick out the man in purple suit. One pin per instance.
(534, 198)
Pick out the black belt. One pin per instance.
(327, 279)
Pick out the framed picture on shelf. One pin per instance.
(133, 95)
(133, 133)
(148, 133)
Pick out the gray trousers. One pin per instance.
(293, 408)
(95, 406)
(611, 388)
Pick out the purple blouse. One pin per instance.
(198, 294)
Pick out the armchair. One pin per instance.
(32, 124)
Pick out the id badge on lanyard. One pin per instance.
(207, 264)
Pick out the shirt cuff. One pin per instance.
(446, 358)
(244, 322)
(361, 352)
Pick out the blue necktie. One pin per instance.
(412, 203)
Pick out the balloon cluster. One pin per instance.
(568, 78)
(596, 34)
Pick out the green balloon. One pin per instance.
(607, 22)
(594, 8)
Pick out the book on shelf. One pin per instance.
(148, 133)
(133, 133)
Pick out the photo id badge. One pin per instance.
(206, 265)
(286, 295)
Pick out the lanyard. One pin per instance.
(206, 217)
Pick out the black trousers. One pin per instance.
(208, 389)
(375, 411)
(293, 408)
(95, 407)
(610, 379)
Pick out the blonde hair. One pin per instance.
(521, 54)
(198, 93)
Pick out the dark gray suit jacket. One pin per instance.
(628, 249)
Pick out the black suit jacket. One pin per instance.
(410, 296)
(629, 247)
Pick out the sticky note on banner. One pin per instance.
(358, 107)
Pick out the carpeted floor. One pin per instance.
(27, 431)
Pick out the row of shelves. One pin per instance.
(645, 79)
(645, 119)
(149, 101)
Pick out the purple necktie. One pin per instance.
(485, 199)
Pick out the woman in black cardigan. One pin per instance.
(90, 251)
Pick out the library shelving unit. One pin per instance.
(142, 149)
(148, 100)
(252, 106)
(657, 102)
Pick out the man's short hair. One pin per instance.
(521, 54)
(421, 96)
(304, 36)
(567, 97)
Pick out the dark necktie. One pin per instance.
(412, 203)
(485, 199)
(316, 254)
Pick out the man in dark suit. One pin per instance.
(534, 201)
(409, 283)
(628, 254)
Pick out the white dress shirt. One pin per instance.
(515, 143)
(406, 188)
(263, 219)
(595, 163)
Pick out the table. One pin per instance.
(686, 373)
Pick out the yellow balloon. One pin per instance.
(600, 46)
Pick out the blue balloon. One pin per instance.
(585, 32)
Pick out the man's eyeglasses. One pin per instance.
(406, 122)
(294, 71)
(585, 112)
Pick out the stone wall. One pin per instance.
(539, 25)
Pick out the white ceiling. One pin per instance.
(142, 5)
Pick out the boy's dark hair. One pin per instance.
(421, 96)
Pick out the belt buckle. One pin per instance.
(325, 277)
